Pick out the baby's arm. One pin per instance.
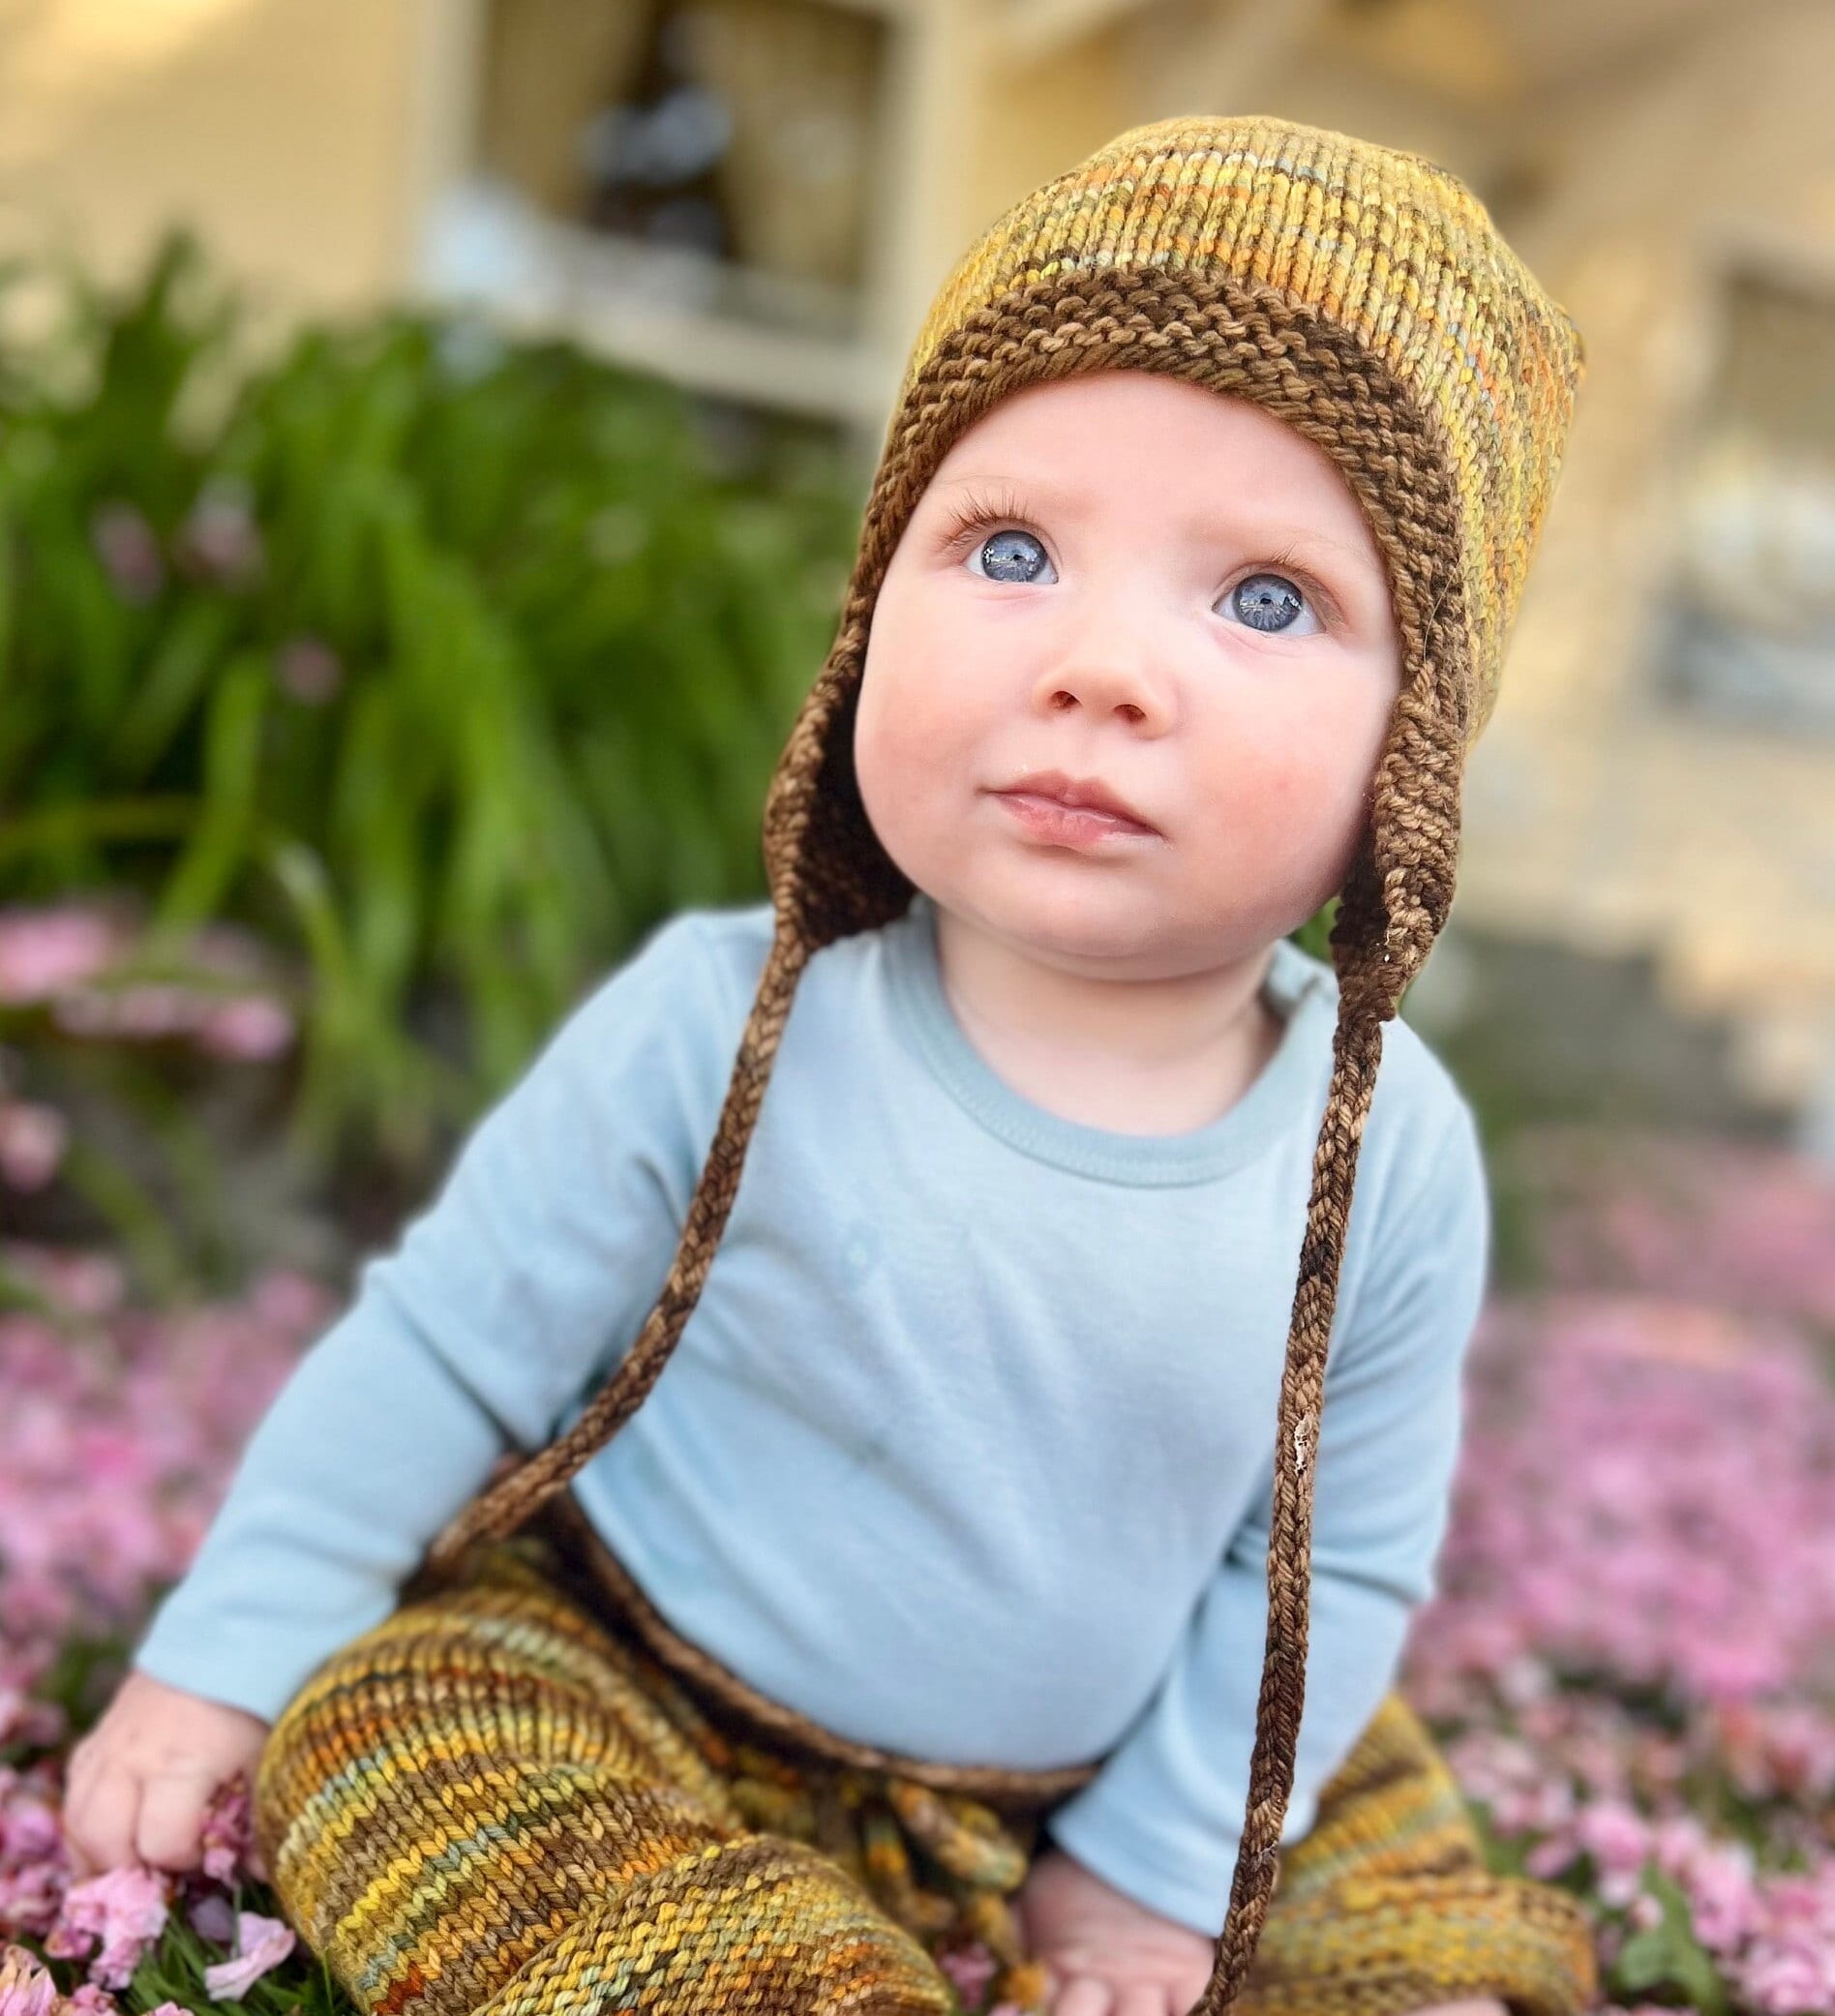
(501, 1305)
(1162, 1819)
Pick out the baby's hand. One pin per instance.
(138, 1784)
(1103, 1951)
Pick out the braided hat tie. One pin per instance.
(1363, 295)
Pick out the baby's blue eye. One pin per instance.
(1269, 602)
(1009, 555)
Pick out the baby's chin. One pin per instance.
(1113, 926)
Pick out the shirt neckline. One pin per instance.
(1297, 986)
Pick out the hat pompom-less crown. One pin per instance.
(1363, 295)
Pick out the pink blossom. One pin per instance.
(1616, 1839)
(1788, 1969)
(220, 539)
(1741, 1225)
(78, 961)
(26, 1988)
(261, 1944)
(31, 1142)
(290, 1301)
(1794, 1983)
(1778, 1749)
(124, 1909)
(44, 950)
(23, 1720)
(141, 1009)
(308, 671)
(970, 1968)
(128, 550)
(84, 1284)
(1645, 1911)
(1613, 1835)
(31, 1850)
(1704, 1573)
(251, 1026)
(1723, 1901)
(120, 1438)
(229, 1831)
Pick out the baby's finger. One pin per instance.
(170, 1830)
(1186, 1996)
(1142, 1999)
(99, 1828)
(1084, 1994)
(80, 1761)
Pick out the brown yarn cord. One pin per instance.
(830, 877)
(503, 1508)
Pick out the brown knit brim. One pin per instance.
(830, 877)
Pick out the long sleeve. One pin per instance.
(502, 1303)
(1162, 1819)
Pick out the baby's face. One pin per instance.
(1127, 577)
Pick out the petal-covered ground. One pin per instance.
(1631, 1660)
(1633, 1654)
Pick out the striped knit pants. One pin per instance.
(499, 1801)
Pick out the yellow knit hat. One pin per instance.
(1364, 297)
(1385, 245)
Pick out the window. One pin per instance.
(1749, 634)
(688, 185)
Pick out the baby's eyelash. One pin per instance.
(978, 513)
(1286, 562)
(975, 512)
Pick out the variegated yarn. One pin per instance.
(507, 1798)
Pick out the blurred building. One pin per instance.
(757, 197)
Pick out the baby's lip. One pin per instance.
(1081, 794)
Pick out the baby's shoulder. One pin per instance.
(682, 991)
(656, 1035)
(734, 942)
(735, 939)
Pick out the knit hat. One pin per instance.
(1363, 295)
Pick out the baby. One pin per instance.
(1180, 596)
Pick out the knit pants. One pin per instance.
(497, 1800)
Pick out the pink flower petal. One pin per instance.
(26, 1988)
(262, 1944)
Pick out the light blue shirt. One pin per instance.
(966, 1450)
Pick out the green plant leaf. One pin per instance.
(214, 851)
(1668, 1956)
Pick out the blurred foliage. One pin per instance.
(454, 664)
(445, 665)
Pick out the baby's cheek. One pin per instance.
(1293, 803)
(923, 729)
(1281, 831)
